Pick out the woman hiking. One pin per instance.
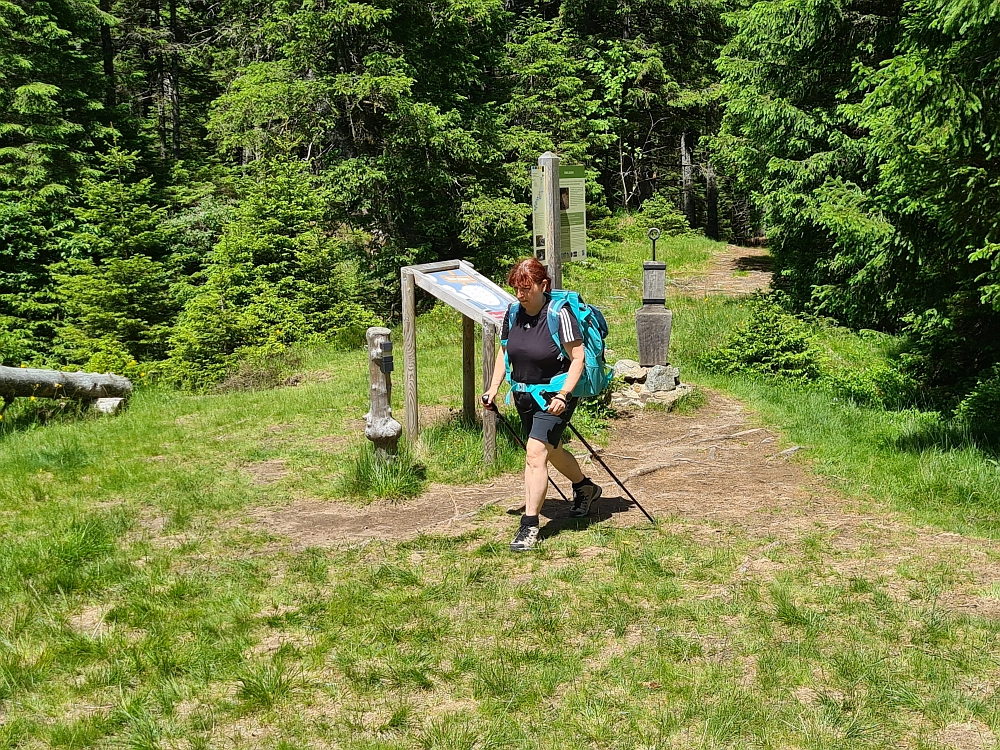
(535, 360)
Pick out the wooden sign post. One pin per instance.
(549, 163)
(460, 286)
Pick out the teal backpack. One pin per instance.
(593, 330)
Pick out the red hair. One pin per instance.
(527, 272)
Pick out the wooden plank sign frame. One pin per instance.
(460, 286)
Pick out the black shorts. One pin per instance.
(540, 424)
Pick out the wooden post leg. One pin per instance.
(489, 417)
(412, 415)
(468, 369)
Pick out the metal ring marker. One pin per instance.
(654, 235)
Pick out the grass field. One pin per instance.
(141, 606)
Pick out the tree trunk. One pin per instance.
(108, 53)
(175, 81)
(88, 386)
(712, 201)
(687, 180)
(160, 85)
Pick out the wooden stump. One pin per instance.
(380, 427)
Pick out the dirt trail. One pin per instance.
(715, 474)
(735, 271)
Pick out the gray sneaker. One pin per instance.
(525, 539)
(583, 498)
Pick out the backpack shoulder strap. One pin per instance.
(512, 310)
(564, 298)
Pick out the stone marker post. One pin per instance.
(380, 427)
(653, 320)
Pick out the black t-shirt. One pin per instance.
(534, 356)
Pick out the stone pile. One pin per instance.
(660, 384)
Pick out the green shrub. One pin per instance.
(15, 343)
(113, 288)
(979, 411)
(769, 342)
(660, 212)
(276, 278)
(111, 356)
(882, 385)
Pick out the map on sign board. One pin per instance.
(470, 285)
(464, 288)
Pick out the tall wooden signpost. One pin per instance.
(559, 214)
(460, 286)
(549, 164)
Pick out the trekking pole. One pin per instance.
(611, 473)
(496, 410)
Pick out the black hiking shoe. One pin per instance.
(583, 498)
(525, 539)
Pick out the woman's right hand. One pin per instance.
(489, 397)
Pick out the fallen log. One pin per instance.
(86, 386)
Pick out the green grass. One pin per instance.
(443, 642)
(374, 476)
(144, 606)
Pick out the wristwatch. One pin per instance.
(564, 395)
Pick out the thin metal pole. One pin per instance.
(611, 473)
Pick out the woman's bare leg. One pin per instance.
(566, 464)
(536, 476)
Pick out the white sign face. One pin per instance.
(572, 213)
(476, 289)
(462, 287)
(573, 207)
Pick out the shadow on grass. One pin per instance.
(947, 436)
(24, 415)
(559, 519)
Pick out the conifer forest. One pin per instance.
(187, 184)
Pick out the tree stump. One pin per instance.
(380, 427)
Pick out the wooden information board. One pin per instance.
(459, 285)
